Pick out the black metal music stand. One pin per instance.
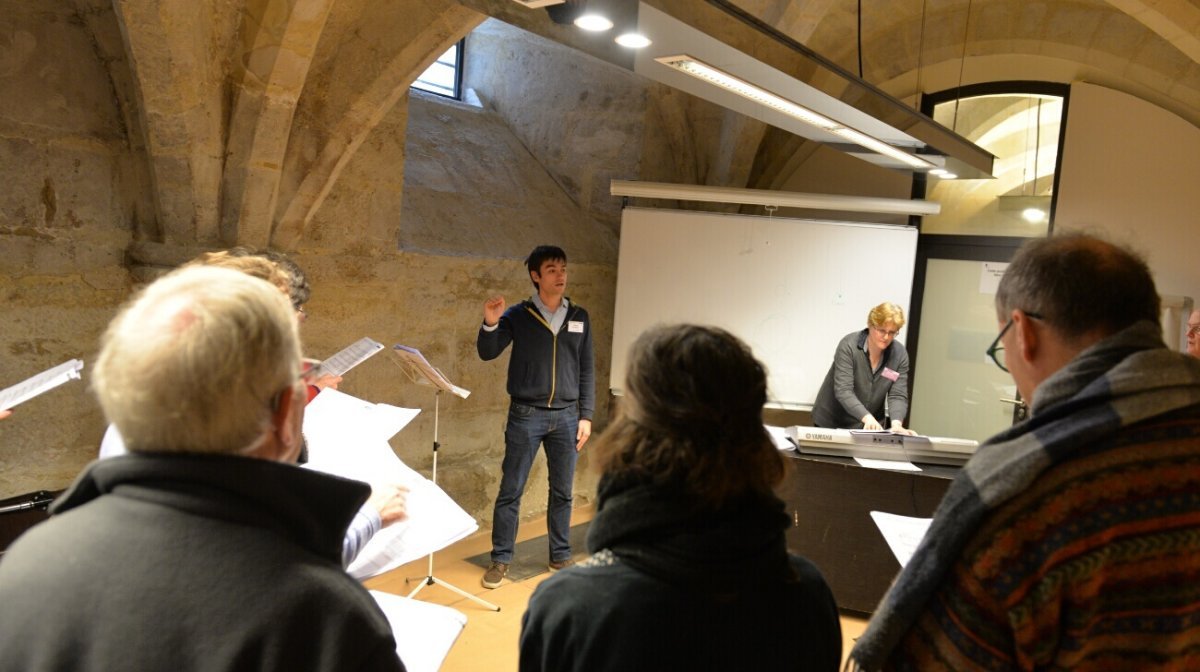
(422, 372)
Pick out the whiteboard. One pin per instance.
(790, 288)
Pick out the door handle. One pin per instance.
(1020, 408)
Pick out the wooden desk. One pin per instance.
(830, 499)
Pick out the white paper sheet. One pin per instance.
(902, 533)
(348, 437)
(779, 436)
(42, 382)
(424, 632)
(425, 373)
(894, 465)
(351, 356)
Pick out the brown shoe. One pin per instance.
(494, 576)
(556, 565)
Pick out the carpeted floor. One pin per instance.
(530, 556)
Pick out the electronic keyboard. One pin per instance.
(881, 445)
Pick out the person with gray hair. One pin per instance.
(389, 503)
(205, 547)
(1072, 539)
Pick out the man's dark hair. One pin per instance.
(691, 417)
(1078, 283)
(542, 254)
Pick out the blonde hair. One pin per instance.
(195, 362)
(254, 266)
(884, 313)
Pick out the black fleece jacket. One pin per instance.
(547, 369)
(192, 563)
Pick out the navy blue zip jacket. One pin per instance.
(547, 369)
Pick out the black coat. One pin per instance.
(673, 590)
(189, 562)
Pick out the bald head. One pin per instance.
(197, 361)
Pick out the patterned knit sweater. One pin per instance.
(1094, 567)
(1070, 540)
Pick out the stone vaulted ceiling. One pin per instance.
(247, 111)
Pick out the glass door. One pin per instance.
(957, 391)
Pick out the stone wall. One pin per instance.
(462, 232)
(71, 185)
(430, 214)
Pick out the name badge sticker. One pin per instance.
(890, 374)
(576, 327)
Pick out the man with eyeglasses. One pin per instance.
(1072, 539)
(869, 375)
(206, 547)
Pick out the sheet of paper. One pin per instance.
(351, 356)
(425, 373)
(42, 382)
(902, 533)
(894, 465)
(424, 632)
(345, 438)
(780, 438)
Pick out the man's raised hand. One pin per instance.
(493, 308)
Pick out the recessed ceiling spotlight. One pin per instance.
(1033, 215)
(939, 172)
(595, 23)
(633, 40)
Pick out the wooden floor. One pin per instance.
(490, 638)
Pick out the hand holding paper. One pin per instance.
(348, 437)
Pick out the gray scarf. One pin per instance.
(1121, 380)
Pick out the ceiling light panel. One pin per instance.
(728, 82)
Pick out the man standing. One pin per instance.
(205, 547)
(1072, 539)
(551, 383)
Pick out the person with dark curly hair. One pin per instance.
(689, 568)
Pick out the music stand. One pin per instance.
(420, 371)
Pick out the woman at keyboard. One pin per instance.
(870, 369)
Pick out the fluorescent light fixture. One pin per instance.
(595, 23)
(633, 40)
(703, 71)
(784, 199)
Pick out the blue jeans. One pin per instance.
(527, 428)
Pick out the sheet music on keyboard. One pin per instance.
(351, 356)
(42, 382)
